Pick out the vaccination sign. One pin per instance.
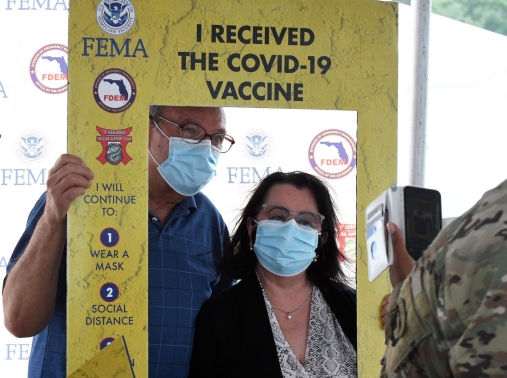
(126, 56)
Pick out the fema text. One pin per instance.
(37, 5)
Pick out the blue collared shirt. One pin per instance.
(184, 260)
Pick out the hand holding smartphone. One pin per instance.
(417, 212)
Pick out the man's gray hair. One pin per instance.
(155, 110)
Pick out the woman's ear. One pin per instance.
(250, 225)
(323, 237)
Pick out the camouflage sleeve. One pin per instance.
(473, 298)
(412, 332)
(449, 317)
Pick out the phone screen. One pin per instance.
(423, 218)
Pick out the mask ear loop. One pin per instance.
(153, 157)
(159, 129)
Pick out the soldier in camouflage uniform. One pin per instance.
(449, 316)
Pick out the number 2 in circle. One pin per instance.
(109, 292)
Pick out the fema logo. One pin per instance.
(257, 144)
(49, 69)
(116, 17)
(114, 90)
(32, 147)
(332, 154)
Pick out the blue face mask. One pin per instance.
(285, 249)
(190, 166)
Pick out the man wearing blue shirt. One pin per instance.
(187, 237)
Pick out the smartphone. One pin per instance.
(418, 213)
(422, 210)
(376, 238)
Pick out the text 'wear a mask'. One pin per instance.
(189, 166)
(285, 249)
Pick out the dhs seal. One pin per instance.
(114, 90)
(32, 147)
(49, 69)
(257, 144)
(116, 17)
(332, 154)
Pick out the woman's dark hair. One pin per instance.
(240, 260)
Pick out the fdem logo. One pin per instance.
(332, 154)
(49, 69)
(114, 90)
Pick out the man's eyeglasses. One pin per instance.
(303, 218)
(196, 134)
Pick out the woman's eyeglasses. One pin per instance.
(303, 218)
